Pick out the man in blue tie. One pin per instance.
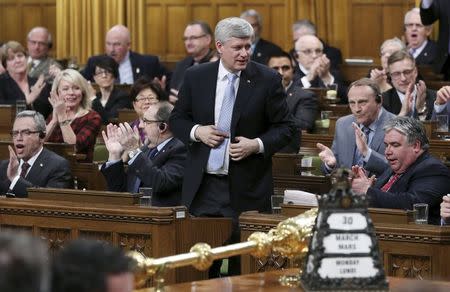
(232, 115)
(158, 164)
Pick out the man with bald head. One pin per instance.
(132, 65)
(39, 42)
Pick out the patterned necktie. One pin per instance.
(137, 183)
(390, 182)
(25, 167)
(412, 51)
(217, 155)
(359, 159)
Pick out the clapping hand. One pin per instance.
(408, 102)
(58, 104)
(36, 89)
(361, 182)
(128, 137)
(13, 165)
(326, 155)
(111, 138)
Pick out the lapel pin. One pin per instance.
(258, 54)
(41, 165)
(138, 70)
(248, 81)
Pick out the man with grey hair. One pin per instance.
(39, 42)
(132, 65)
(414, 175)
(416, 34)
(261, 49)
(24, 263)
(232, 115)
(30, 164)
(306, 27)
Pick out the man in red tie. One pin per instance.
(414, 175)
(30, 164)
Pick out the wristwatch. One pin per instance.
(134, 152)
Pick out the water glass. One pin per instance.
(21, 105)
(146, 196)
(420, 213)
(276, 201)
(442, 123)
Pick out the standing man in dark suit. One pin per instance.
(197, 40)
(302, 103)
(403, 72)
(261, 48)
(131, 64)
(358, 138)
(30, 164)
(430, 11)
(233, 116)
(416, 34)
(158, 164)
(414, 176)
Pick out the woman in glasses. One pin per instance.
(109, 98)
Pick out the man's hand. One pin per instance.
(378, 76)
(13, 165)
(111, 138)
(313, 70)
(210, 135)
(445, 207)
(128, 137)
(421, 95)
(443, 95)
(361, 182)
(326, 155)
(408, 102)
(361, 140)
(54, 70)
(243, 148)
(162, 81)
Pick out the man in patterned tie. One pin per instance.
(30, 164)
(414, 176)
(158, 164)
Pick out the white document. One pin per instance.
(299, 198)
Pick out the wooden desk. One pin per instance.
(156, 232)
(268, 282)
(407, 250)
(7, 116)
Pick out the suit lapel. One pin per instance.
(210, 86)
(38, 166)
(379, 133)
(246, 83)
(350, 150)
(134, 67)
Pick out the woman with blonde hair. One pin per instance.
(73, 121)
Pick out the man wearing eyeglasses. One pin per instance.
(302, 104)
(416, 34)
(403, 73)
(158, 164)
(30, 164)
(197, 41)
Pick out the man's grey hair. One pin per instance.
(49, 35)
(253, 13)
(163, 112)
(232, 27)
(410, 127)
(39, 120)
(394, 41)
(304, 23)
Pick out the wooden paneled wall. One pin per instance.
(357, 27)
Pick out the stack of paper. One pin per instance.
(299, 198)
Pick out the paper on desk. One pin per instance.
(299, 198)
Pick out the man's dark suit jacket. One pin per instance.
(428, 54)
(392, 103)
(260, 110)
(118, 99)
(425, 181)
(48, 171)
(303, 107)
(263, 50)
(181, 67)
(142, 65)
(439, 10)
(10, 92)
(163, 173)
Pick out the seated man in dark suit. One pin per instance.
(261, 48)
(414, 176)
(302, 103)
(197, 40)
(30, 164)
(314, 68)
(158, 164)
(420, 47)
(358, 138)
(403, 72)
(132, 65)
(306, 27)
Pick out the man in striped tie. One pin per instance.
(414, 176)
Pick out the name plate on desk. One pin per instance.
(347, 221)
(348, 267)
(347, 243)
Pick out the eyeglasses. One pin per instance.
(412, 25)
(407, 73)
(148, 122)
(309, 52)
(105, 73)
(148, 98)
(193, 37)
(41, 44)
(283, 68)
(23, 133)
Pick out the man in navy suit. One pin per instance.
(30, 164)
(261, 48)
(131, 64)
(159, 164)
(414, 176)
(232, 115)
